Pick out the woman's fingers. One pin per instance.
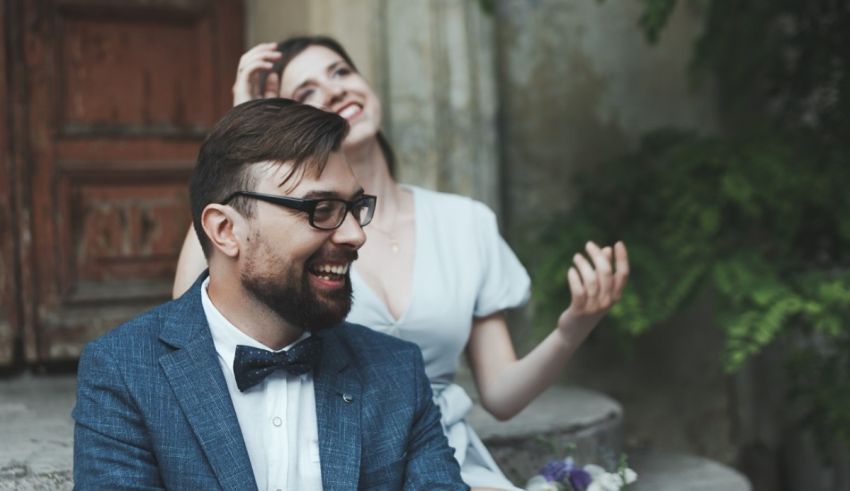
(602, 266)
(247, 85)
(262, 51)
(579, 295)
(598, 283)
(272, 86)
(621, 265)
(588, 275)
(258, 59)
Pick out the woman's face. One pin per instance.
(320, 77)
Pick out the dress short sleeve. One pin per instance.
(504, 281)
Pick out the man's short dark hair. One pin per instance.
(263, 130)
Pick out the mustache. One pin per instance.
(341, 256)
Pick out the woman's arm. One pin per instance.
(190, 264)
(246, 87)
(506, 385)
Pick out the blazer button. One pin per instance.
(347, 398)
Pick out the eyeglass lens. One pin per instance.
(331, 213)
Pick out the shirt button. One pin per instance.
(277, 421)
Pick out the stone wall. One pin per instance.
(580, 85)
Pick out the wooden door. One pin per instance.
(9, 299)
(119, 97)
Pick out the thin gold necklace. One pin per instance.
(394, 243)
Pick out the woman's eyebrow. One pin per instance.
(302, 85)
(333, 66)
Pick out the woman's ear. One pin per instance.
(223, 226)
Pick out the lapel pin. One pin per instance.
(347, 398)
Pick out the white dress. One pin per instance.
(462, 269)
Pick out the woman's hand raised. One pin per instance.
(252, 65)
(595, 284)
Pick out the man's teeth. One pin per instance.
(337, 269)
(349, 111)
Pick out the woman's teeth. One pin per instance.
(349, 111)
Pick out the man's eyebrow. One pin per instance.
(333, 195)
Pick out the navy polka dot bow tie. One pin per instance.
(252, 365)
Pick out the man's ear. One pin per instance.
(225, 228)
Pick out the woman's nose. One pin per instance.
(334, 92)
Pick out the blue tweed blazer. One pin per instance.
(153, 411)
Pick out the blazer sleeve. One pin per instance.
(430, 460)
(111, 447)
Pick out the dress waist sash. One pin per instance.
(453, 401)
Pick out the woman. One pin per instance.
(434, 270)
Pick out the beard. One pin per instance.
(291, 296)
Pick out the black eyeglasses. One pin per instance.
(324, 213)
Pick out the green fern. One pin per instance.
(754, 219)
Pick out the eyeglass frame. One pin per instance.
(308, 205)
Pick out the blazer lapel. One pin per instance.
(338, 405)
(196, 379)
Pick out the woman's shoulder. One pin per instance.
(451, 206)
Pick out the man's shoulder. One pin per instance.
(144, 329)
(375, 346)
(363, 337)
(383, 364)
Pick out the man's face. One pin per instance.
(301, 272)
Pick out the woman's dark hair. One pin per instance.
(292, 47)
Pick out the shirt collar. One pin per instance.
(226, 336)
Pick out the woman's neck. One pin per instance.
(372, 171)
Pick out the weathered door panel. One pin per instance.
(9, 304)
(121, 94)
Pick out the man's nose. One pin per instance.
(350, 233)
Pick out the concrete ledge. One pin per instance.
(36, 432)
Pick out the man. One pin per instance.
(252, 379)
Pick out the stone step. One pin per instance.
(587, 425)
(678, 472)
(564, 420)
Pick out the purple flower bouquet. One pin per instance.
(565, 475)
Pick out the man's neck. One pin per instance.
(252, 317)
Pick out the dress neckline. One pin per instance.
(417, 252)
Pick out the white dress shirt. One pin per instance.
(277, 416)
